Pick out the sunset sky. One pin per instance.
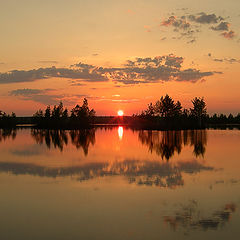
(119, 54)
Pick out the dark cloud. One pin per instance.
(80, 71)
(180, 24)
(26, 92)
(141, 70)
(152, 70)
(177, 23)
(192, 75)
(204, 18)
(189, 25)
(223, 26)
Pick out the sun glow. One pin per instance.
(120, 113)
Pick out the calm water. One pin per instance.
(117, 183)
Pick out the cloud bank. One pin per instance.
(141, 70)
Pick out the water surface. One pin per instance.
(115, 183)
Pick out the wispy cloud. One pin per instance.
(45, 96)
(48, 61)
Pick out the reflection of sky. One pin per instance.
(134, 191)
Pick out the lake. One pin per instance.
(116, 183)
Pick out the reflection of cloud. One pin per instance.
(148, 173)
(189, 218)
(28, 151)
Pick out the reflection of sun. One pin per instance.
(120, 112)
(120, 132)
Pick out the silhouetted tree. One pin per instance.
(199, 110)
(165, 107)
(6, 120)
(81, 117)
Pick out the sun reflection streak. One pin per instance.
(120, 132)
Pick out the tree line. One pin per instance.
(7, 120)
(59, 117)
(166, 113)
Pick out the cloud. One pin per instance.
(190, 24)
(48, 61)
(26, 92)
(204, 18)
(152, 70)
(229, 35)
(125, 100)
(177, 23)
(227, 60)
(43, 96)
(141, 70)
(223, 26)
(80, 71)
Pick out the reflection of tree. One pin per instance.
(7, 133)
(166, 143)
(83, 138)
(189, 218)
(59, 138)
(161, 174)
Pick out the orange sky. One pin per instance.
(119, 54)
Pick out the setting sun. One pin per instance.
(120, 113)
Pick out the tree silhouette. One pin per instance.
(81, 117)
(199, 110)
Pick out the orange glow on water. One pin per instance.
(120, 132)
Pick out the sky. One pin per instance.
(119, 54)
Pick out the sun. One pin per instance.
(120, 113)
